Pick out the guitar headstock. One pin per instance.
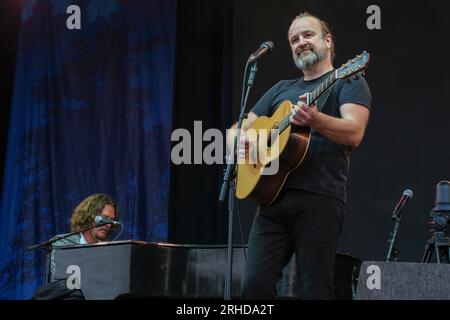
(354, 66)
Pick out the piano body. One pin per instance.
(127, 269)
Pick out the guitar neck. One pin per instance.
(312, 97)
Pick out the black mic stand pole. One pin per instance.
(392, 251)
(229, 180)
(48, 246)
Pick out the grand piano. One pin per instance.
(136, 269)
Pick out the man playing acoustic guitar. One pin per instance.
(306, 216)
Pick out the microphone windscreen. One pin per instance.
(408, 193)
(269, 45)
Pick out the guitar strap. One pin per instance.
(323, 99)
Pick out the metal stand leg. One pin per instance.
(426, 258)
(440, 245)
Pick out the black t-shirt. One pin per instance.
(325, 167)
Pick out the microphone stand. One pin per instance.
(48, 246)
(392, 251)
(229, 181)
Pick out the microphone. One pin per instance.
(100, 221)
(264, 49)
(407, 194)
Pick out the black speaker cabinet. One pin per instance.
(403, 281)
(346, 273)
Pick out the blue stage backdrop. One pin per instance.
(91, 113)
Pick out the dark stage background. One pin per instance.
(407, 141)
(406, 144)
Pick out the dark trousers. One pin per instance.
(299, 222)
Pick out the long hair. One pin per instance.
(325, 28)
(84, 214)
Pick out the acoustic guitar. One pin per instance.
(280, 147)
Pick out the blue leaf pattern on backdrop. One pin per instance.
(91, 113)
